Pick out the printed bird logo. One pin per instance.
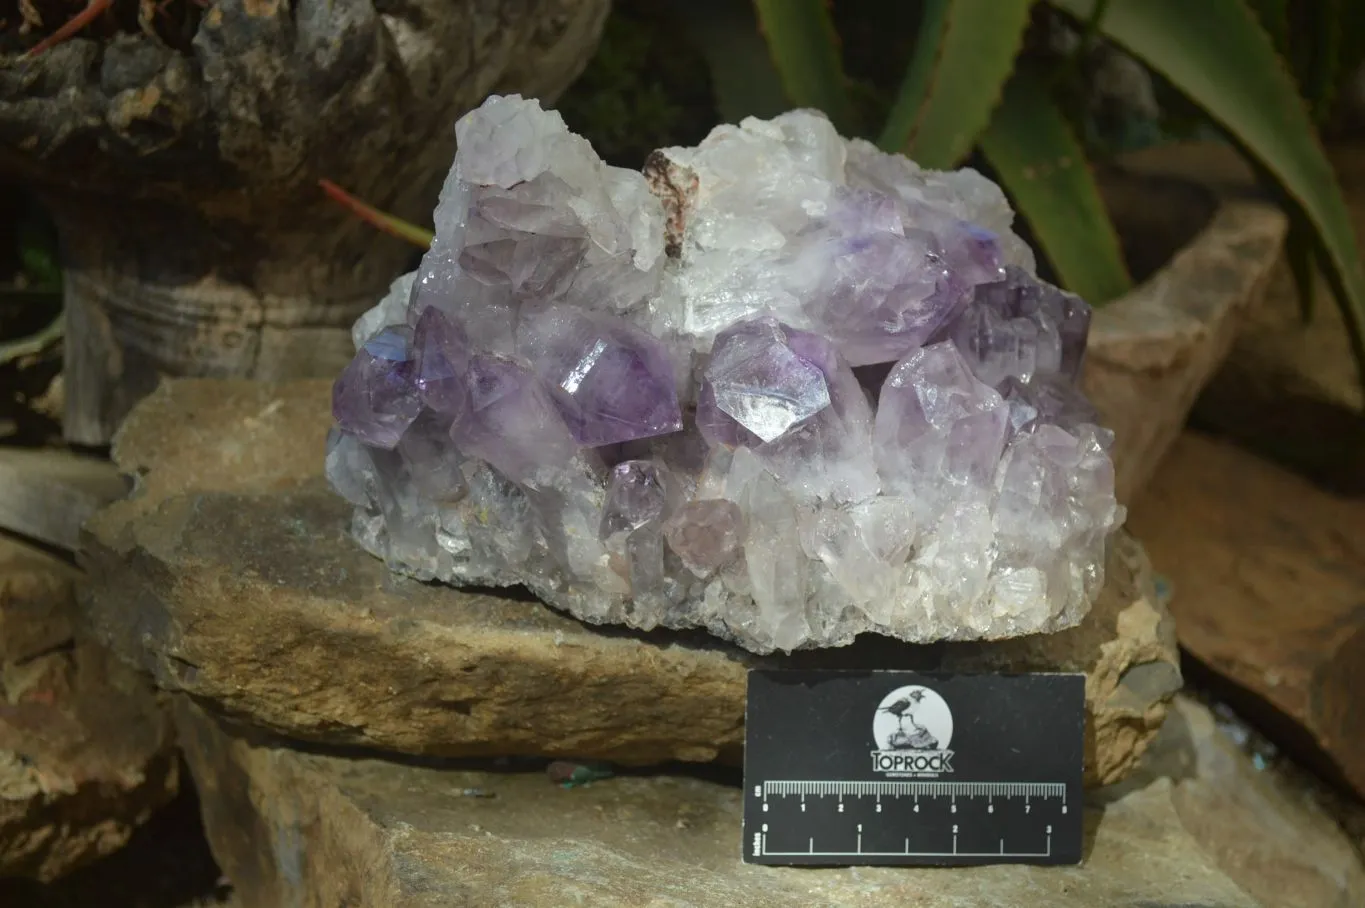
(917, 737)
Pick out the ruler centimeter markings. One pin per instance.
(910, 768)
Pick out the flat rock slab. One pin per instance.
(1290, 387)
(1268, 588)
(86, 750)
(1259, 826)
(230, 576)
(313, 830)
(1151, 351)
(47, 494)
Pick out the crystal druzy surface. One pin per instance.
(781, 386)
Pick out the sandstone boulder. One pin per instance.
(310, 829)
(230, 576)
(1267, 574)
(86, 751)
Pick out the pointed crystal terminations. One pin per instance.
(639, 493)
(788, 396)
(706, 534)
(1019, 327)
(780, 386)
(938, 427)
(442, 352)
(890, 273)
(376, 398)
(512, 424)
(612, 381)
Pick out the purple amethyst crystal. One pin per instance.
(512, 423)
(1021, 327)
(885, 282)
(635, 393)
(937, 423)
(442, 352)
(611, 381)
(431, 461)
(788, 396)
(526, 237)
(375, 399)
(757, 387)
(639, 493)
(706, 534)
(1046, 399)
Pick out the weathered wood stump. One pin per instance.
(183, 179)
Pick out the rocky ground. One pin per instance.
(228, 579)
(1197, 824)
(230, 583)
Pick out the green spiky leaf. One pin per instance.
(1216, 52)
(914, 88)
(743, 79)
(1274, 18)
(1042, 166)
(805, 50)
(955, 78)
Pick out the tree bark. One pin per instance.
(195, 240)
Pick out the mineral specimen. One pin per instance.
(781, 386)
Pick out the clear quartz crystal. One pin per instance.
(781, 386)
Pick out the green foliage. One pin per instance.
(1218, 54)
(1321, 44)
(645, 88)
(1033, 150)
(955, 78)
(31, 323)
(805, 50)
(421, 237)
(728, 35)
(1267, 72)
(38, 258)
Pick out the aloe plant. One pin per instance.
(1266, 71)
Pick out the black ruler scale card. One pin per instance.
(910, 768)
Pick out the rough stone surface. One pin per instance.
(1290, 386)
(86, 751)
(230, 576)
(46, 495)
(1267, 574)
(308, 830)
(1153, 351)
(1278, 845)
(706, 320)
(196, 240)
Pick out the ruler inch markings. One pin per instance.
(991, 764)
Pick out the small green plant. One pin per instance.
(1265, 72)
(31, 322)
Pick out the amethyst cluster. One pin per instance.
(781, 386)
